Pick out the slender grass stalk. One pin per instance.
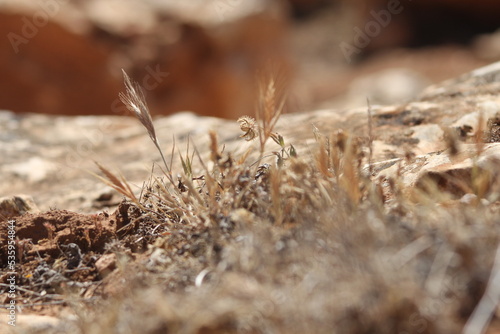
(134, 100)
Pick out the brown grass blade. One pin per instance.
(117, 183)
(135, 101)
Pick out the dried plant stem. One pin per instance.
(370, 137)
(169, 173)
(135, 101)
(268, 113)
(118, 183)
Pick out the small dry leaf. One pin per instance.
(114, 182)
(248, 126)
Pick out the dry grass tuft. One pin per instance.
(308, 244)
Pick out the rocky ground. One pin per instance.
(443, 144)
(350, 217)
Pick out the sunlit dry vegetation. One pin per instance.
(307, 243)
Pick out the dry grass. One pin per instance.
(135, 101)
(307, 245)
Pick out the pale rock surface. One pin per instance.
(396, 85)
(48, 157)
(32, 323)
(16, 205)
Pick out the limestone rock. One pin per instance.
(397, 85)
(32, 323)
(183, 62)
(16, 205)
(106, 264)
(35, 62)
(408, 142)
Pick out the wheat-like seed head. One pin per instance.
(134, 101)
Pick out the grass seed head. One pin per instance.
(249, 127)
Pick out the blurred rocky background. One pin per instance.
(61, 58)
(207, 56)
